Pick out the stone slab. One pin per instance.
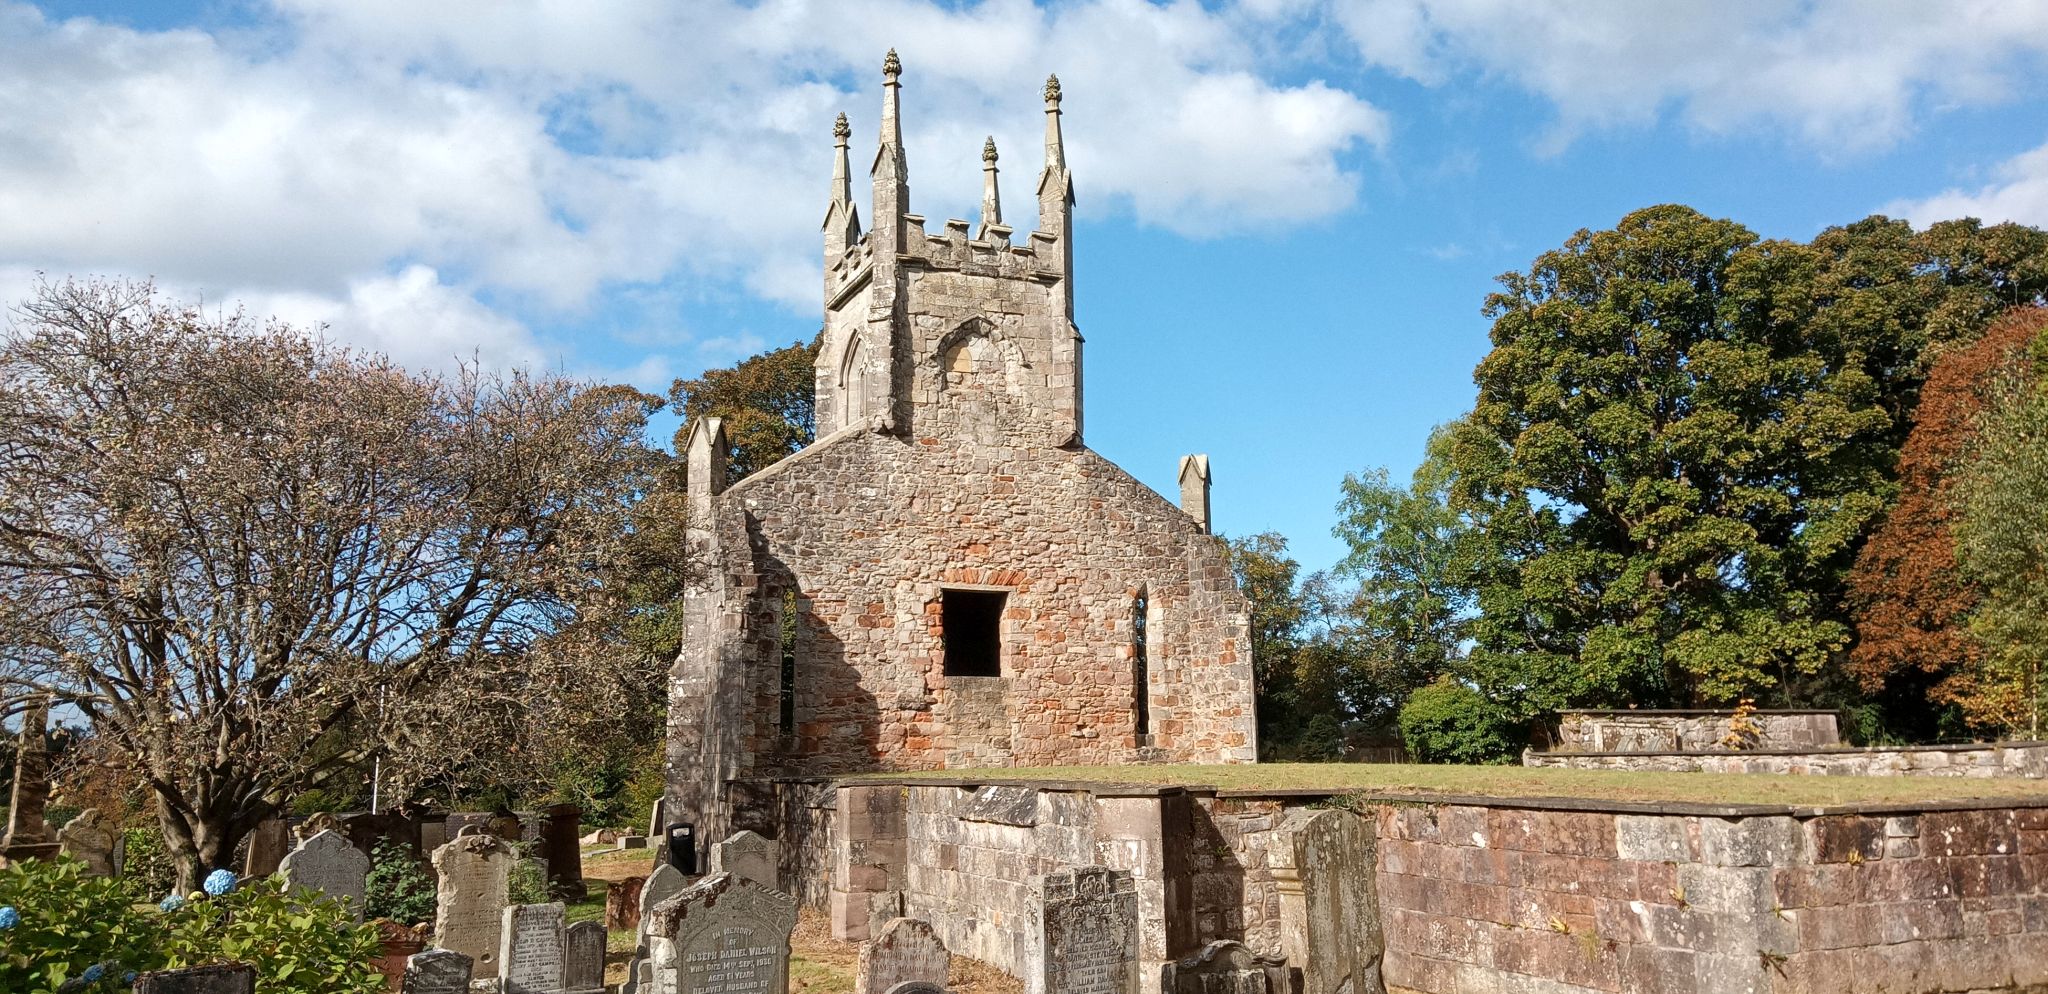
(1090, 933)
(230, 979)
(531, 948)
(437, 971)
(473, 880)
(903, 950)
(327, 862)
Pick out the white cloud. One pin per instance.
(2018, 192)
(1841, 74)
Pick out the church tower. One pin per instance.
(962, 333)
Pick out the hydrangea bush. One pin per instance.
(63, 931)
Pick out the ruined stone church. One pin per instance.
(949, 577)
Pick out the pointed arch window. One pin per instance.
(852, 384)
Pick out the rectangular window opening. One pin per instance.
(971, 623)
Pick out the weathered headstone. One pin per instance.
(234, 978)
(474, 876)
(1226, 966)
(583, 970)
(723, 935)
(665, 882)
(917, 987)
(90, 840)
(315, 823)
(369, 829)
(436, 971)
(632, 842)
(328, 863)
(1090, 919)
(749, 856)
(267, 846)
(622, 903)
(434, 834)
(1332, 928)
(28, 834)
(902, 950)
(563, 851)
(530, 953)
(461, 820)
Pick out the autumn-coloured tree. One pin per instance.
(1912, 602)
(249, 561)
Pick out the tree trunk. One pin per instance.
(199, 842)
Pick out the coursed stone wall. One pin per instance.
(1693, 731)
(1488, 895)
(1998, 759)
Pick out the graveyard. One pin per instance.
(1701, 654)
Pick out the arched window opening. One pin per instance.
(786, 691)
(1141, 671)
(852, 385)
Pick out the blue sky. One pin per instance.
(1291, 210)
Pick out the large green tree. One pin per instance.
(769, 403)
(1683, 434)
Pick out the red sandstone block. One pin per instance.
(1841, 838)
(1987, 876)
(1963, 833)
(1461, 825)
(1487, 866)
(2030, 819)
(1656, 970)
(1424, 974)
(1657, 883)
(1618, 921)
(1581, 958)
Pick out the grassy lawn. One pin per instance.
(1526, 782)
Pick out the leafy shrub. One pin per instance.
(66, 923)
(147, 862)
(400, 885)
(299, 943)
(62, 929)
(1449, 722)
(528, 883)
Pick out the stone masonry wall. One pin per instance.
(2002, 759)
(1474, 895)
(871, 528)
(1691, 731)
(1514, 899)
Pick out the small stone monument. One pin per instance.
(436, 971)
(562, 849)
(665, 882)
(583, 972)
(1329, 910)
(328, 863)
(749, 856)
(474, 875)
(903, 950)
(530, 948)
(88, 839)
(233, 978)
(622, 903)
(723, 935)
(267, 846)
(315, 823)
(434, 834)
(28, 834)
(1090, 920)
(1226, 966)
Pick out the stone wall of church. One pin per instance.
(869, 529)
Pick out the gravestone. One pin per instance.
(530, 953)
(583, 970)
(903, 950)
(315, 823)
(28, 833)
(267, 846)
(749, 856)
(665, 882)
(723, 935)
(436, 971)
(1333, 929)
(917, 987)
(563, 850)
(1226, 967)
(328, 863)
(622, 903)
(1090, 922)
(233, 978)
(632, 842)
(88, 839)
(459, 821)
(369, 829)
(434, 834)
(473, 876)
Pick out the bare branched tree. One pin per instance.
(248, 560)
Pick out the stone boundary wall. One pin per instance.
(1994, 759)
(1691, 731)
(1545, 896)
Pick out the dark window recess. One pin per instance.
(972, 626)
(786, 714)
(1141, 669)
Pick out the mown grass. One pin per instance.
(1532, 782)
